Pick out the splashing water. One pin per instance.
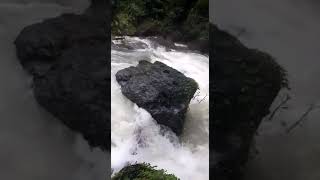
(187, 156)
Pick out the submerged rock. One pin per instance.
(244, 84)
(68, 57)
(163, 91)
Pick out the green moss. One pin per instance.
(142, 172)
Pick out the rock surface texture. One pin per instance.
(68, 58)
(245, 83)
(163, 91)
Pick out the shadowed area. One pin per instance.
(289, 31)
(35, 145)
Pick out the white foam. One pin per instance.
(187, 158)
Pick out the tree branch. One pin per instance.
(302, 118)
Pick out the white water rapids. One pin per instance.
(188, 156)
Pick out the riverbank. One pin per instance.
(181, 21)
(135, 135)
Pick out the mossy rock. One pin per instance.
(142, 172)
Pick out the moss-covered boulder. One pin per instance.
(142, 172)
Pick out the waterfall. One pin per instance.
(135, 135)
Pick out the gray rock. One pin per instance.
(163, 91)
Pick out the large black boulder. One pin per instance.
(244, 84)
(163, 91)
(69, 59)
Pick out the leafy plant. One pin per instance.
(143, 172)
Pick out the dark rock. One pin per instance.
(160, 41)
(124, 44)
(75, 91)
(241, 99)
(68, 57)
(201, 46)
(163, 91)
(39, 45)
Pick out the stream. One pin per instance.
(187, 156)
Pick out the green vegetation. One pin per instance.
(142, 172)
(182, 20)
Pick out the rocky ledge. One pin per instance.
(68, 57)
(163, 91)
(244, 84)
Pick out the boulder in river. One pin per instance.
(161, 90)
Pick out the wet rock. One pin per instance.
(245, 83)
(125, 44)
(162, 42)
(163, 91)
(68, 57)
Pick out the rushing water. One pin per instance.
(289, 31)
(33, 144)
(188, 156)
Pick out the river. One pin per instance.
(187, 156)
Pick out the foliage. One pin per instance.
(143, 172)
(124, 15)
(188, 18)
